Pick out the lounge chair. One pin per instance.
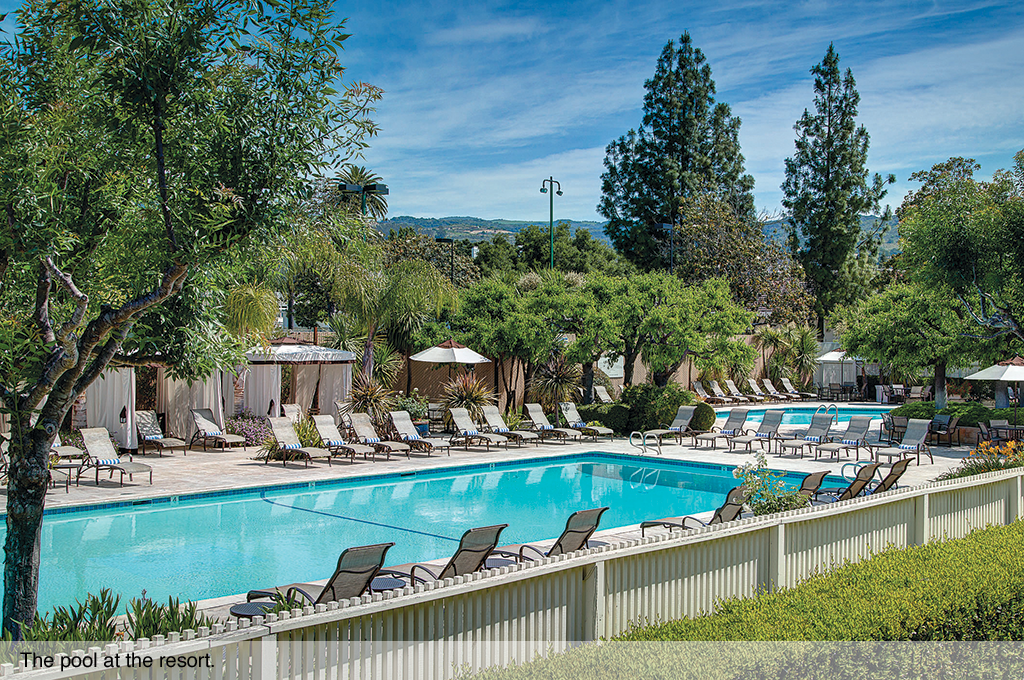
(729, 511)
(573, 419)
(945, 426)
(781, 396)
(68, 452)
(679, 426)
(601, 393)
(916, 393)
(208, 431)
(854, 438)
(811, 484)
(734, 392)
(466, 431)
(699, 389)
(406, 431)
(289, 446)
(366, 434)
(720, 393)
(890, 479)
(817, 433)
(474, 548)
(150, 435)
(767, 432)
(578, 529)
(103, 456)
(292, 412)
(856, 487)
(733, 427)
(496, 424)
(332, 440)
(914, 442)
(757, 391)
(788, 386)
(356, 570)
(542, 427)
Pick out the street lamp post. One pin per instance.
(671, 228)
(551, 183)
(452, 242)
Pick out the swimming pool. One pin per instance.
(219, 544)
(801, 415)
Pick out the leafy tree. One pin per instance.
(407, 244)
(688, 145)
(712, 242)
(492, 315)
(967, 237)
(911, 326)
(666, 322)
(140, 147)
(574, 252)
(827, 186)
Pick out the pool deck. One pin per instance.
(176, 474)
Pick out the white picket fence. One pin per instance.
(514, 613)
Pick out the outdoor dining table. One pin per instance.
(1014, 433)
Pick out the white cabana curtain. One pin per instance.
(105, 399)
(228, 388)
(263, 385)
(306, 377)
(176, 398)
(335, 383)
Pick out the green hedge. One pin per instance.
(970, 412)
(651, 407)
(967, 589)
(615, 416)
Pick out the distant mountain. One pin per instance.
(477, 229)
(776, 230)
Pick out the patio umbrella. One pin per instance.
(450, 352)
(1011, 370)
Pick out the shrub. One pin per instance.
(651, 407)
(1008, 414)
(93, 619)
(415, 404)
(147, 618)
(974, 590)
(915, 409)
(255, 429)
(703, 418)
(986, 458)
(971, 413)
(371, 397)
(615, 416)
(766, 491)
(466, 391)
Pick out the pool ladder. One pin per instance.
(636, 435)
(827, 409)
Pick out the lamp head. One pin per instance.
(543, 190)
(558, 193)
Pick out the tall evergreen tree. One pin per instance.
(687, 145)
(827, 187)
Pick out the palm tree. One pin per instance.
(401, 295)
(767, 340)
(250, 311)
(802, 343)
(376, 205)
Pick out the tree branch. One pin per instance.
(102, 359)
(41, 316)
(81, 301)
(138, 361)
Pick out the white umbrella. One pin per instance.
(1011, 370)
(450, 352)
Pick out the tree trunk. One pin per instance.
(291, 310)
(368, 356)
(629, 361)
(26, 493)
(408, 375)
(940, 385)
(588, 382)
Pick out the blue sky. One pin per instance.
(483, 100)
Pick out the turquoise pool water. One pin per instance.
(801, 415)
(223, 544)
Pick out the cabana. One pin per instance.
(316, 368)
(836, 367)
(110, 403)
